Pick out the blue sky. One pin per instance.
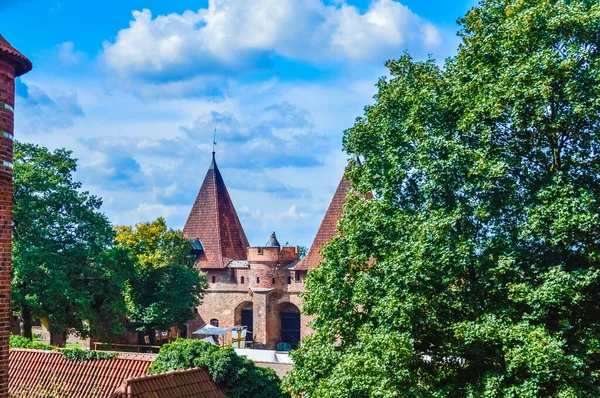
(135, 89)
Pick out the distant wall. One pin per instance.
(280, 368)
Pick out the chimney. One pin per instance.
(12, 65)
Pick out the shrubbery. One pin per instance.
(17, 341)
(237, 375)
(75, 354)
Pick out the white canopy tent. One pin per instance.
(212, 330)
(209, 340)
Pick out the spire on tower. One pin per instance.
(215, 223)
(214, 142)
(272, 242)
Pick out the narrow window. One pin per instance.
(289, 280)
(260, 251)
(273, 281)
(214, 279)
(298, 277)
(242, 282)
(214, 322)
(257, 279)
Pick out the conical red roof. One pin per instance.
(327, 229)
(22, 64)
(214, 221)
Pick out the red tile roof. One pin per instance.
(327, 229)
(214, 221)
(37, 373)
(190, 383)
(22, 64)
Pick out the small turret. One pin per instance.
(272, 242)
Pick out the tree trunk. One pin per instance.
(27, 321)
(15, 324)
(58, 339)
(152, 336)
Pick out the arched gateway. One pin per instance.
(244, 316)
(289, 316)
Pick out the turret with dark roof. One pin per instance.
(215, 223)
(272, 242)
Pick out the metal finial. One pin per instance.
(214, 140)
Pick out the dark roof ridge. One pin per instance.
(217, 175)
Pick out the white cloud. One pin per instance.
(39, 111)
(231, 35)
(68, 55)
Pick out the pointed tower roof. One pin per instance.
(272, 242)
(327, 229)
(214, 221)
(22, 64)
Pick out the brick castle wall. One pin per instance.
(7, 103)
(266, 287)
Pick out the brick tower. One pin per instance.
(12, 65)
(215, 223)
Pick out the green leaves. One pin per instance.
(165, 285)
(237, 375)
(64, 269)
(477, 261)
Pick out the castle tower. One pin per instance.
(327, 228)
(12, 65)
(215, 223)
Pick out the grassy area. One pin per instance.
(74, 345)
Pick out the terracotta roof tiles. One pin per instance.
(190, 383)
(36, 373)
(22, 64)
(327, 229)
(214, 221)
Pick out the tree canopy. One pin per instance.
(475, 269)
(165, 286)
(240, 377)
(65, 270)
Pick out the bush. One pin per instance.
(237, 375)
(17, 341)
(75, 354)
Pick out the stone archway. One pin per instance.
(244, 316)
(289, 324)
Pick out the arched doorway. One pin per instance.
(244, 316)
(290, 324)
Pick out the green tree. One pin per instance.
(475, 269)
(165, 286)
(239, 376)
(65, 270)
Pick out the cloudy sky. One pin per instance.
(135, 89)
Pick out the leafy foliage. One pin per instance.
(165, 285)
(237, 375)
(75, 354)
(17, 341)
(64, 267)
(475, 269)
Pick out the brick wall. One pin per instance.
(268, 289)
(7, 97)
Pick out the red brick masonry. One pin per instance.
(12, 65)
